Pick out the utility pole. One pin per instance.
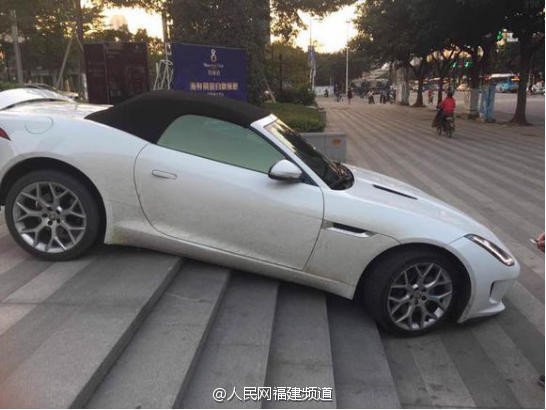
(311, 31)
(59, 82)
(347, 69)
(347, 60)
(311, 57)
(280, 74)
(16, 49)
(79, 37)
(165, 33)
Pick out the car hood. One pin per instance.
(400, 210)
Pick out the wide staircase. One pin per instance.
(129, 328)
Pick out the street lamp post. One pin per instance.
(311, 57)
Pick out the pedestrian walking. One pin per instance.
(370, 97)
(430, 96)
(349, 95)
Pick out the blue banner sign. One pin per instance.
(210, 70)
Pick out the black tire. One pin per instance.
(86, 199)
(439, 130)
(377, 285)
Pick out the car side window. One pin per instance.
(220, 141)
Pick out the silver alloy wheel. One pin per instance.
(419, 296)
(49, 217)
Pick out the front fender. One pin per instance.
(489, 278)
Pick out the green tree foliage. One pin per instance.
(403, 31)
(286, 67)
(231, 23)
(331, 67)
(474, 31)
(505, 59)
(45, 27)
(525, 18)
(286, 20)
(243, 23)
(398, 30)
(154, 45)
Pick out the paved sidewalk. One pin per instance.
(495, 173)
(505, 106)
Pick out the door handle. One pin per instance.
(163, 174)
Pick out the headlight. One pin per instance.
(493, 249)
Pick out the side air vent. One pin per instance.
(348, 228)
(392, 191)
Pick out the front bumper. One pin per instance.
(490, 279)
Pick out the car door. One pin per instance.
(206, 182)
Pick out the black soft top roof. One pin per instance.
(148, 115)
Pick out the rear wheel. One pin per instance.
(411, 292)
(52, 215)
(449, 131)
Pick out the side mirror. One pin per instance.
(285, 170)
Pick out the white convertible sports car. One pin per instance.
(229, 183)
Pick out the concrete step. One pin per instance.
(362, 375)
(5, 239)
(3, 227)
(235, 354)
(58, 353)
(19, 274)
(301, 355)
(159, 359)
(11, 256)
(28, 297)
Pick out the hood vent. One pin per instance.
(392, 191)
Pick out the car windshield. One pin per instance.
(334, 174)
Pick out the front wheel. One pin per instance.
(411, 292)
(52, 215)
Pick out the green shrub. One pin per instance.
(4, 85)
(299, 95)
(297, 116)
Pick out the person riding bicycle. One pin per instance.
(447, 107)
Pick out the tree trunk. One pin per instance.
(525, 60)
(420, 74)
(474, 82)
(404, 97)
(440, 88)
(419, 100)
